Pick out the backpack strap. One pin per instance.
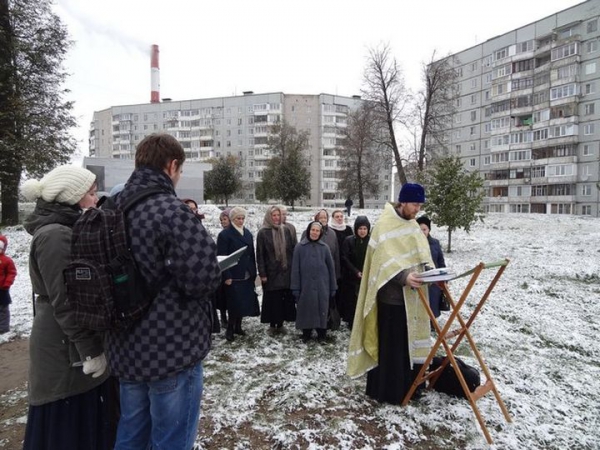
(139, 196)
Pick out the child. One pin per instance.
(8, 272)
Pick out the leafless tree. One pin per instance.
(435, 106)
(361, 154)
(384, 86)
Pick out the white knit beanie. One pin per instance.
(65, 184)
(237, 211)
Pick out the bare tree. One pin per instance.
(384, 86)
(361, 154)
(435, 105)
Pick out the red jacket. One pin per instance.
(8, 271)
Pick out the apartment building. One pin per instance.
(526, 115)
(239, 126)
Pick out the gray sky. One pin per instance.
(223, 47)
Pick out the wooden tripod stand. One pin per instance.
(444, 335)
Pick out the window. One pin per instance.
(457, 134)
(591, 46)
(501, 54)
(587, 150)
(474, 66)
(472, 131)
(473, 116)
(457, 118)
(458, 148)
(473, 83)
(590, 109)
(472, 147)
(590, 68)
(592, 26)
(586, 210)
(487, 160)
(566, 71)
(589, 88)
(473, 99)
(472, 162)
(586, 190)
(567, 90)
(458, 102)
(588, 129)
(564, 51)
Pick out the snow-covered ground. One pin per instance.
(538, 333)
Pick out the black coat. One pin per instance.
(435, 293)
(277, 277)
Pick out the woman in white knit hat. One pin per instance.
(239, 280)
(69, 385)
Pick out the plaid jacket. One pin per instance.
(174, 252)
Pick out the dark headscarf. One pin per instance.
(360, 245)
(308, 230)
(425, 220)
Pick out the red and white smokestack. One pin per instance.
(154, 76)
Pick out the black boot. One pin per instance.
(238, 327)
(306, 335)
(224, 318)
(229, 332)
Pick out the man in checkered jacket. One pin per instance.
(159, 359)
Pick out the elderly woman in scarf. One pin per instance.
(313, 282)
(274, 253)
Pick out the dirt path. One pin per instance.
(14, 363)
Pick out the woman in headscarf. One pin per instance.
(313, 282)
(274, 253)
(72, 399)
(342, 231)
(239, 279)
(437, 255)
(220, 294)
(354, 250)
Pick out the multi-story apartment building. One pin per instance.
(528, 114)
(239, 126)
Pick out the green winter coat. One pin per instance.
(57, 346)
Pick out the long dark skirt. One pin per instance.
(241, 299)
(391, 379)
(278, 307)
(83, 421)
(349, 294)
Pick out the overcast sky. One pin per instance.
(223, 47)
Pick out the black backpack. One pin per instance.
(104, 287)
(448, 382)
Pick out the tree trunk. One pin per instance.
(10, 197)
(292, 205)
(10, 170)
(449, 248)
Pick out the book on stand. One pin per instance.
(433, 275)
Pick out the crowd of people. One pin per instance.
(141, 387)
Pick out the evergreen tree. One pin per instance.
(286, 177)
(224, 180)
(34, 118)
(454, 195)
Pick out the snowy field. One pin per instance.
(538, 333)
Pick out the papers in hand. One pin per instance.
(433, 275)
(227, 261)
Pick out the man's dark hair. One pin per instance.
(158, 150)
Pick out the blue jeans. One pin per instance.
(161, 414)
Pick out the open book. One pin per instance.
(227, 261)
(433, 275)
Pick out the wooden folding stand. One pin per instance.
(445, 334)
